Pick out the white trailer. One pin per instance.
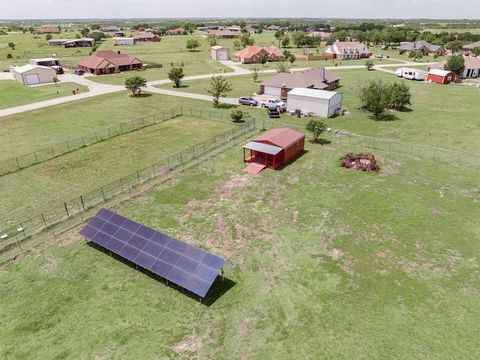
(411, 74)
(319, 102)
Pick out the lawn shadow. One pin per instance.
(320, 141)
(142, 95)
(304, 152)
(219, 287)
(386, 117)
(226, 106)
(182, 86)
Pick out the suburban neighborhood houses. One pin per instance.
(244, 180)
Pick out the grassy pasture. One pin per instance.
(324, 262)
(451, 124)
(29, 191)
(15, 94)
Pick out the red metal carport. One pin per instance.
(275, 148)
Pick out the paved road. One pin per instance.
(96, 89)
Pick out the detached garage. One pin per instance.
(219, 53)
(319, 102)
(33, 74)
(440, 76)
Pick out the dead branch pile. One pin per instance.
(363, 161)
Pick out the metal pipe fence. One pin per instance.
(72, 212)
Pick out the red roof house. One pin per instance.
(253, 54)
(177, 31)
(146, 37)
(48, 30)
(108, 61)
(273, 149)
(441, 76)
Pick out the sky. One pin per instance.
(367, 9)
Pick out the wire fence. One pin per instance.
(39, 156)
(72, 212)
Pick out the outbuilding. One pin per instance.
(440, 76)
(273, 149)
(118, 41)
(33, 74)
(219, 53)
(319, 102)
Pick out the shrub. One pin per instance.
(236, 115)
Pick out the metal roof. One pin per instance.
(28, 67)
(439, 72)
(313, 93)
(264, 148)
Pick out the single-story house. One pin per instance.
(45, 62)
(223, 34)
(472, 67)
(235, 28)
(347, 50)
(119, 33)
(273, 28)
(468, 49)
(123, 41)
(142, 29)
(110, 28)
(440, 76)
(48, 30)
(150, 37)
(177, 31)
(219, 53)
(422, 47)
(57, 42)
(108, 61)
(319, 102)
(250, 29)
(316, 78)
(321, 34)
(33, 74)
(273, 149)
(253, 54)
(84, 42)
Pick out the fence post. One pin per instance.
(18, 164)
(44, 222)
(35, 155)
(81, 200)
(66, 210)
(96, 137)
(138, 177)
(68, 147)
(103, 194)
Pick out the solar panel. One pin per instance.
(184, 265)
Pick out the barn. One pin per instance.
(319, 102)
(219, 53)
(33, 74)
(273, 149)
(440, 76)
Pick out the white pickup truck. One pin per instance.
(273, 104)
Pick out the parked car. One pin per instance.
(244, 100)
(58, 69)
(273, 112)
(274, 104)
(79, 72)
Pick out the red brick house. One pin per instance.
(177, 31)
(147, 37)
(253, 54)
(48, 30)
(108, 61)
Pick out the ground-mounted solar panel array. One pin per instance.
(184, 265)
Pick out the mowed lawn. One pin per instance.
(444, 116)
(14, 94)
(323, 262)
(30, 191)
(34, 130)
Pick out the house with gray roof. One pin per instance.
(421, 46)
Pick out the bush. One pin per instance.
(316, 127)
(236, 115)
(399, 96)
(375, 97)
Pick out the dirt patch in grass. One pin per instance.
(51, 263)
(190, 343)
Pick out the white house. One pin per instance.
(124, 41)
(33, 74)
(319, 102)
(472, 67)
(347, 50)
(219, 53)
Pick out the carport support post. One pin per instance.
(223, 275)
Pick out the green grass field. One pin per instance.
(15, 94)
(322, 262)
(39, 187)
(451, 124)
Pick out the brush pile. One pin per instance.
(363, 161)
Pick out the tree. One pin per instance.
(455, 63)
(259, 31)
(97, 36)
(84, 32)
(375, 97)
(476, 51)
(236, 115)
(135, 84)
(415, 55)
(237, 44)
(246, 40)
(369, 64)
(282, 67)
(219, 86)
(316, 127)
(279, 35)
(292, 59)
(213, 41)
(11, 45)
(176, 75)
(255, 74)
(48, 37)
(263, 59)
(285, 41)
(192, 44)
(454, 45)
(399, 96)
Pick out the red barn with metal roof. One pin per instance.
(440, 76)
(274, 149)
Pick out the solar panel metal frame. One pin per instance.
(185, 265)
